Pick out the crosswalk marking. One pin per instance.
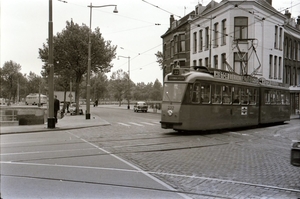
(147, 123)
(141, 124)
(124, 124)
(135, 124)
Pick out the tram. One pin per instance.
(33, 99)
(202, 99)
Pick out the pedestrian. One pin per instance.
(96, 102)
(68, 104)
(56, 107)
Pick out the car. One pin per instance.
(72, 109)
(140, 106)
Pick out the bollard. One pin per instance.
(295, 154)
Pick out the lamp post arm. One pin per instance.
(91, 6)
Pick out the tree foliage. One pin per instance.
(71, 54)
(10, 76)
(118, 85)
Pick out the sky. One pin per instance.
(134, 29)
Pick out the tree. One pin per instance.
(71, 54)
(156, 94)
(118, 85)
(160, 59)
(10, 75)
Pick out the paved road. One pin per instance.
(241, 163)
(61, 164)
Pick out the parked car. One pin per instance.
(72, 109)
(140, 106)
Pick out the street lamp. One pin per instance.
(88, 89)
(51, 119)
(128, 107)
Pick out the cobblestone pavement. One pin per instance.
(246, 163)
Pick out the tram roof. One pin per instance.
(202, 73)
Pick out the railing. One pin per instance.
(8, 115)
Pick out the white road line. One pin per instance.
(138, 170)
(37, 152)
(148, 123)
(135, 124)
(133, 166)
(124, 124)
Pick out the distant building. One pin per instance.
(291, 54)
(245, 37)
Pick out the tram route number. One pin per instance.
(171, 108)
(244, 110)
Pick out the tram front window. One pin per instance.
(173, 92)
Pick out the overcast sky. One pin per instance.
(24, 29)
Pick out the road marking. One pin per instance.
(135, 124)
(147, 173)
(38, 152)
(148, 123)
(131, 165)
(124, 124)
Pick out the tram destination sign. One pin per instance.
(176, 78)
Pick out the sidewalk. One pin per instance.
(68, 122)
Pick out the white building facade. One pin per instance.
(246, 37)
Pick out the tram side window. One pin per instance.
(278, 97)
(235, 95)
(244, 95)
(287, 98)
(282, 96)
(226, 99)
(273, 97)
(252, 95)
(216, 94)
(267, 97)
(196, 93)
(205, 93)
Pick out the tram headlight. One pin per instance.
(170, 112)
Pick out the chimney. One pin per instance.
(269, 1)
(298, 20)
(287, 14)
(171, 20)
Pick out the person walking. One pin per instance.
(56, 107)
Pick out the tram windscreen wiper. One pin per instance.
(167, 93)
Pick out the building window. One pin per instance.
(195, 42)
(279, 68)
(223, 36)
(280, 38)
(216, 61)
(206, 38)
(286, 49)
(299, 51)
(216, 34)
(241, 28)
(295, 50)
(194, 63)
(182, 43)
(200, 62)
(206, 62)
(172, 48)
(175, 44)
(290, 49)
(201, 40)
(241, 62)
(223, 64)
(275, 67)
(276, 37)
(270, 66)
